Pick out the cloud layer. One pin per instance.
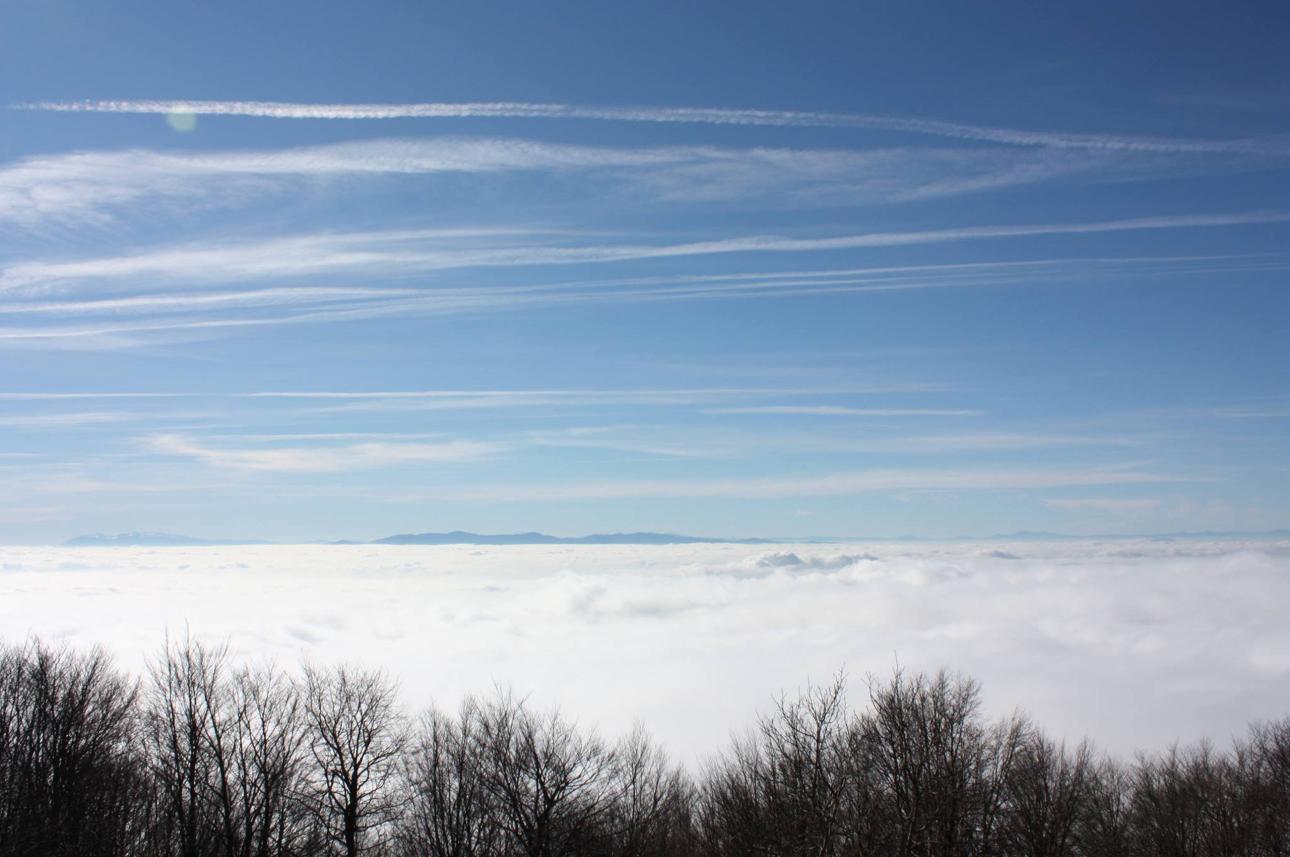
(1133, 643)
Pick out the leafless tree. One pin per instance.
(185, 706)
(215, 760)
(1193, 801)
(1268, 752)
(448, 811)
(1048, 793)
(649, 816)
(263, 742)
(940, 768)
(550, 784)
(1106, 826)
(357, 737)
(786, 788)
(70, 781)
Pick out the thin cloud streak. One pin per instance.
(685, 115)
(632, 396)
(218, 300)
(1106, 505)
(846, 483)
(388, 253)
(845, 411)
(91, 186)
(323, 459)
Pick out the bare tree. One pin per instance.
(265, 745)
(356, 737)
(448, 811)
(1048, 793)
(789, 785)
(550, 783)
(941, 769)
(217, 761)
(650, 815)
(185, 706)
(70, 782)
(1268, 751)
(1105, 829)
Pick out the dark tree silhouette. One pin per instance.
(209, 758)
(356, 737)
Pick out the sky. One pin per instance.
(1132, 644)
(322, 270)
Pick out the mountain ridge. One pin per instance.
(462, 537)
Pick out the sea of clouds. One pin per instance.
(1132, 643)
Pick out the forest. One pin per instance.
(206, 756)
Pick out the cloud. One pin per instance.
(320, 458)
(65, 420)
(97, 186)
(843, 483)
(844, 411)
(686, 115)
(204, 301)
(388, 253)
(1105, 504)
(153, 316)
(1132, 642)
(793, 561)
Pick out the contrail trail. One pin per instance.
(686, 115)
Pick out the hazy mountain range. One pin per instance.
(460, 537)
(456, 537)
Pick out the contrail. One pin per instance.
(686, 115)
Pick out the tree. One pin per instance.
(70, 781)
(356, 739)
(1048, 794)
(649, 816)
(940, 768)
(788, 786)
(448, 811)
(549, 783)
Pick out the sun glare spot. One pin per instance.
(184, 123)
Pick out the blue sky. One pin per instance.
(324, 270)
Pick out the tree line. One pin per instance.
(205, 757)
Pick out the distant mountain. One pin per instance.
(458, 537)
(1027, 535)
(147, 540)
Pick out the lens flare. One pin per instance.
(184, 123)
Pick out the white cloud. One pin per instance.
(845, 411)
(689, 115)
(1134, 643)
(844, 483)
(377, 254)
(1105, 504)
(64, 420)
(96, 186)
(324, 458)
(203, 301)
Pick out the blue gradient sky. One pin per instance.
(725, 268)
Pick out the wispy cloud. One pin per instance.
(1112, 505)
(174, 303)
(324, 458)
(686, 115)
(631, 396)
(845, 411)
(134, 320)
(828, 485)
(93, 186)
(59, 421)
(986, 441)
(375, 254)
